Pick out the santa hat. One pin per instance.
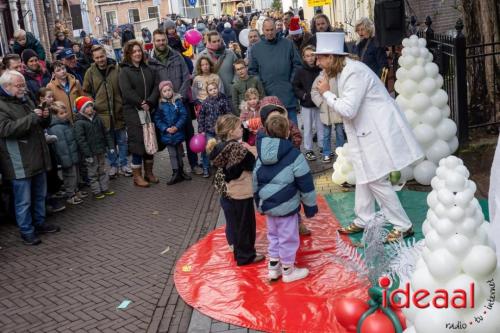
(294, 28)
(82, 102)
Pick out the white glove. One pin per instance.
(111, 151)
(89, 160)
(50, 138)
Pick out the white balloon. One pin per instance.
(462, 169)
(459, 245)
(426, 227)
(430, 57)
(445, 196)
(491, 323)
(413, 40)
(409, 88)
(425, 134)
(455, 182)
(420, 61)
(446, 129)
(463, 198)
(441, 211)
(412, 117)
(345, 168)
(439, 81)
(422, 42)
(424, 172)
(432, 116)
(427, 85)
(440, 98)
(433, 241)
(481, 237)
(422, 279)
(441, 171)
(397, 86)
(417, 72)
(243, 37)
(338, 178)
(445, 228)
(434, 320)
(415, 51)
(456, 214)
(463, 282)
(468, 227)
(402, 73)
(409, 62)
(453, 144)
(407, 173)
(431, 69)
(409, 329)
(420, 102)
(443, 265)
(351, 178)
(452, 162)
(403, 102)
(405, 42)
(438, 150)
(480, 262)
(432, 199)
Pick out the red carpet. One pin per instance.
(208, 279)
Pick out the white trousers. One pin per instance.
(310, 118)
(494, 200)
(380, 190)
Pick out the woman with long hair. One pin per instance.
(139, 93)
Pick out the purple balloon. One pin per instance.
(193, 36)
(198, 143)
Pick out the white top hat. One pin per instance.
(330, 43)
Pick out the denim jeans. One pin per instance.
(327, 138)
(118, 55)
(138, 159)
(292, 115)
(119, 158)
(29, 201)
(204, 157)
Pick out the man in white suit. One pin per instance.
(380, 138)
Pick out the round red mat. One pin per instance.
(208, 279)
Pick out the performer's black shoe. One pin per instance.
(351, 229)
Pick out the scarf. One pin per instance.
(162, 55)
(216, 54)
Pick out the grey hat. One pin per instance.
(169, 24)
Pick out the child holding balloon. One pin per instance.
(237, 161)
(215, 105)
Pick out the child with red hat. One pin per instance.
(94, 142)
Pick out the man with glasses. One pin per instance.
(24, 156)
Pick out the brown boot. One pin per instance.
(137, 176)
(148, 172)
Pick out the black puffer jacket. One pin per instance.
(23, 150)
(92, 136)
(302, 84)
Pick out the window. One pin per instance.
(111, 21)
(133, 15)
(153, 12)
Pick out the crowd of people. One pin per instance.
(69, 125)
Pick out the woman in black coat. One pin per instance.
(139, 91)
(367, 48)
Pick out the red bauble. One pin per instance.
(377, 322)
(348, 311)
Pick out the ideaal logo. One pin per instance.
(439, 299)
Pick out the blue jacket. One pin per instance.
(228, 35)
(211, 109)
(282, 179)
(66, 146)
(171, 114)
(374, 56)
(276, 63)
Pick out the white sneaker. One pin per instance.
(113, 171)
(293, 273)
(125, 171)
(274, 271)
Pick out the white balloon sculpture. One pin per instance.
(425, 105)
(342, 168)
(457, 252)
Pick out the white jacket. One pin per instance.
(380, 138)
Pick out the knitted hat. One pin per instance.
(169, 24)
(269, 104)
(294, 28)
(227, 25)
(82, 102)
(165, 83)
(28, 54)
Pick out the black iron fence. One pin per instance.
(456, 61)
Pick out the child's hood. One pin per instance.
(175, 98)
(228, 153)
(271, 150)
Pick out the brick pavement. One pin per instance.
(107, 251)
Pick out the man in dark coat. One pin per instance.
(24, 156)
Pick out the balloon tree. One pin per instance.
(458, 255)
(425, 105)
(342, 168)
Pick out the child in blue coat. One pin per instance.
(170, 119)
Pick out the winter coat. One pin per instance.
(374, 56)
(305, 41)
(137, 84)
(282, 179)
(225, 67)
(327, 114)
(303, 82)
(228, 35)
(78, 72)
(240, 87)
(65, 44)
(174, 70)
(211, 109)
(237, 164)
(171, 114)
(246, 113)
(380, 138)
(276, 63)
(66, 147)
(75, 90)
(31, 43)
(23, 150)
(106, 94)
(126, 36)
(36, 80)
(92, 136)
(199, 88)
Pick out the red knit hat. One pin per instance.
(294, 28)
(82, 102)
